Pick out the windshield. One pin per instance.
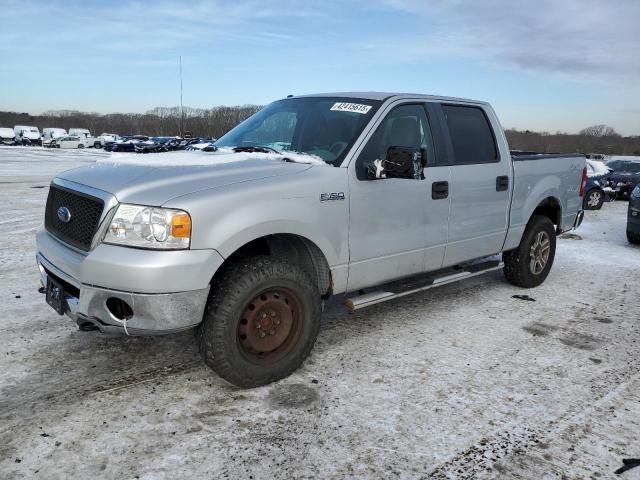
(322, 126)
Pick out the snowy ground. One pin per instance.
(463, 381)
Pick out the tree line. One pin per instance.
(161, 121)
(214, 122)
(595, 139)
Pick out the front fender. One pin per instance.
(230, 217)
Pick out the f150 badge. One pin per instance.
(325, 197)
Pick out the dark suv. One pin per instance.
(625, 175)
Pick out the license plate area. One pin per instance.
(56, 297)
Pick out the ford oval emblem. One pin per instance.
(64, 214)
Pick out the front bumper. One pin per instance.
(154, 313)
(166, 290)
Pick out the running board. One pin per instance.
(401, 288)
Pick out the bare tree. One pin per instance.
(599, 131)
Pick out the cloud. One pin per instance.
(597, 37)
(143, 28)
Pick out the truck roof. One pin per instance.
(386, 95)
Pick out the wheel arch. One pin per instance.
(295, 248)
(551, 208)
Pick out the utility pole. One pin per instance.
(181, 111)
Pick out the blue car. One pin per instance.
(633, 216)
(599, 187)
(625, 175)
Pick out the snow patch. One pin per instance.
(195, 157)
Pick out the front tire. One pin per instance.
(593, 200)
(528, 265)
(261, 321)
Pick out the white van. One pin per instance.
(51, 134)
(27, 135)
(7, 136)
(79, 132)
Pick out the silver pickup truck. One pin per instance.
(371, 195)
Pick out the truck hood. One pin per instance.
(154, 179)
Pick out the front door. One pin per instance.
(396, 228)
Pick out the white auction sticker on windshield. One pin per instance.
(350, 107)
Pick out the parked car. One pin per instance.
(170, 144)
(85, 134)
(105, 139)
(73, 141)
(392, 193)
(26, 135)
(599, 188)
(128, 144)
(49, 135)
(633, 216)
(625, 175)
(7, 136)
(205, 144)
(153, 145)
(190, 143)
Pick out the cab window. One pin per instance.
(471, 135)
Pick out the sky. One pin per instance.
(544, 65)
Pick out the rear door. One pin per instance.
(480, 186)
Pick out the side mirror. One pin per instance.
(400, 162)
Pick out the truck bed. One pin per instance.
(544, 175)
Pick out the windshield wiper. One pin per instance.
(256, 149)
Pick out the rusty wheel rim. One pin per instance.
(270, 325)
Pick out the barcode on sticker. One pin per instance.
(351, 107)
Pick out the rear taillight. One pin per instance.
(583, 183)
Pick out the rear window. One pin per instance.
(471, 135)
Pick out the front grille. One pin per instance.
(85, 216)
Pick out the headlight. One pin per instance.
(149, 227)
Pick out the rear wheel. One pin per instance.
(528, 265)
(261, 321)
(81, 145)
(593, 200)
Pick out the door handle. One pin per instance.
(502, 183)
(439, 190)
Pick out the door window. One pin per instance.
(404, 126)
(471, 135)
